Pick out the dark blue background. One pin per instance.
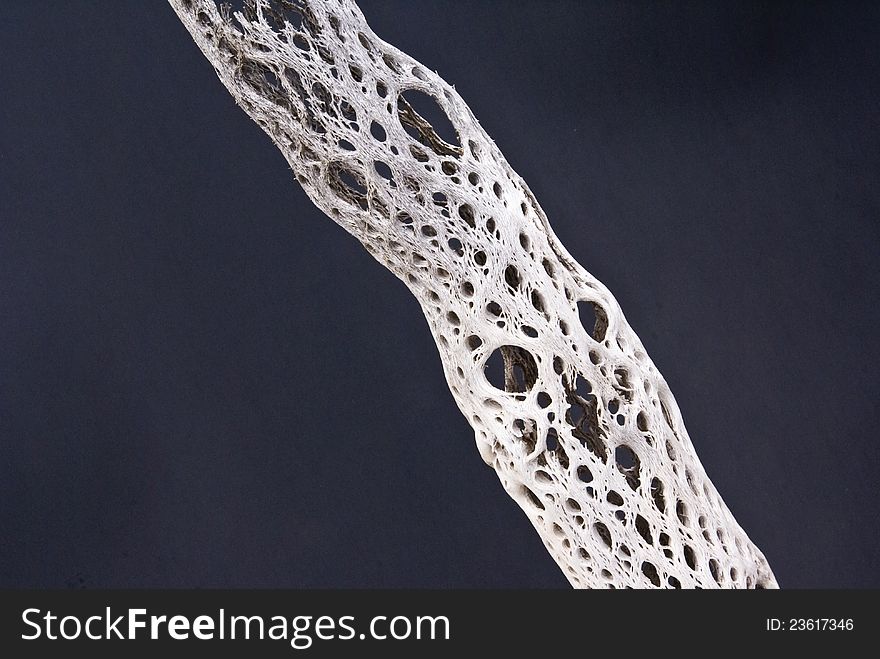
(205, 382)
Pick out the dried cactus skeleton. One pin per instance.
(579, 425)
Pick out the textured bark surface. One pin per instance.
(566, 405)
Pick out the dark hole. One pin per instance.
(261, 78)
(278, 12)
(474, 342)
(548, 267)
(675, 583)
(614, 498)
(650, 571)
(613, 406)
(404, 218)
(324, 98)
(391, 62)
(644, 529)
(349, 185)
(657, 494)
(455, 246)
(496, 188)
(582, 387)
(576, 413)
(562, 457)
(533, 499)
(381, 89)
(490, 224)
(628, 464)
(603, 533)
(272, 79)
(377, 131)
(544, 400)
(681, 511)
(517, 371)
(467, 214)
(356, 72)
(383, 169)
(538, 301)
(524, 241)
(558, 365)
(494, 370)
(552, 440)
(334, 23)
(642, 421)
(346, 145)
(327, 56)
(480, 258)
(530, 331)
(425, 121)
(583, 418)
(449, 168)
(347, 111)
(473, 178)
(429, 231)
(300, 41)
(690, 557)
(494, 308)
(467, 289)
(625, 457)
(511, 276)
(593, 319)
(713, 569)
(584, 474)
(295, 82)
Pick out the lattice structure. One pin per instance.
(580, 427)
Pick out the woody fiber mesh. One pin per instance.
(565, 403)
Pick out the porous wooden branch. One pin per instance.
(581, 428)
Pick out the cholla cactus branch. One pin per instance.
(582, 430)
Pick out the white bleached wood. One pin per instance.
(581, 428)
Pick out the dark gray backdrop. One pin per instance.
(205, 382)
